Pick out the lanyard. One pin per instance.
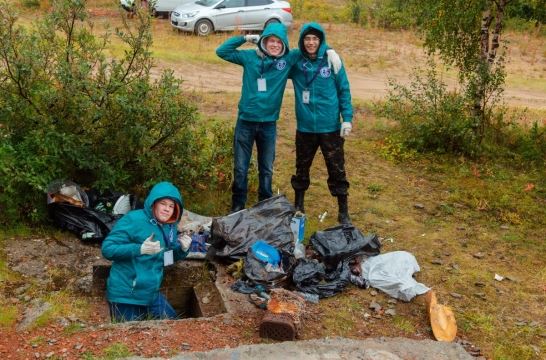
(269, 67)
(304, 68)
(167, 238)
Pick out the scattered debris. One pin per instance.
(375, 306)
(323, 216)
(512, 278)
(456, 295)
(478, 255)
(437, 262)
(391, 312)
(419, 206)
(470, 348)
(499, 277)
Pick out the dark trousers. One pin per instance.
(160, 309)
(264, 134)
(331, 146)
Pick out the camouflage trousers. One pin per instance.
(331, 146)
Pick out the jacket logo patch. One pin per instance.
(325, 72)
(281, 64)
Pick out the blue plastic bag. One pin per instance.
(266, 253)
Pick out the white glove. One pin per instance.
(346, 128)
(149, 246)
(334, 61)
(251, 38)
(185, 242)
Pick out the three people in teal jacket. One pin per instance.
(322, 97)
(140, 245)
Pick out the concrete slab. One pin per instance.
(338, 348)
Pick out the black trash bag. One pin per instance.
(268, 220)
(108, 201)
(88, 224)
(342, 242)
(310, 276)
(260, 272)
(74, 210)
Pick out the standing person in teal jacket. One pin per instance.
(140, 245)
(322, 97)
(265, 72)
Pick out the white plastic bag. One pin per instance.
(392, 273)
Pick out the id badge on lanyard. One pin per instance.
(262, 85)
(305, 95)
(168, 255)
(168, 258)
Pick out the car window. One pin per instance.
(206, 2)
(258, 2)
(233, 3)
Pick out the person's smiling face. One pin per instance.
(311, 44)
(163, 210)
(274, 46)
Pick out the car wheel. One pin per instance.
(203, 27)
(271, 21)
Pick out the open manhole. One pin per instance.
(188, 285)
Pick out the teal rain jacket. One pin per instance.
(254, 105)
(329, 93)
(135, 278)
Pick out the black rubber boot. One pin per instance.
(236, 207)
(298, 201)
(343, 214)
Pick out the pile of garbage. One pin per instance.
(88, 214)
(265, 246)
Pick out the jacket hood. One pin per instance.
(323, 45)
(160, 191)
(278, 30)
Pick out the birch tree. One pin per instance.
(467, 34)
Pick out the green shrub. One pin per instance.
(69, 111)
(431, 118)
(391, 14)
(517, 143)
(30, 3)
(317, 10)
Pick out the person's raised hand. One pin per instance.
(252, 38)
(149, 246)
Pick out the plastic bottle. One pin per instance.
(299, 250)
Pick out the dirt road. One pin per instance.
(364, 86)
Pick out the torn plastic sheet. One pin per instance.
(392, 273)
(191, 222)
(268, 220)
